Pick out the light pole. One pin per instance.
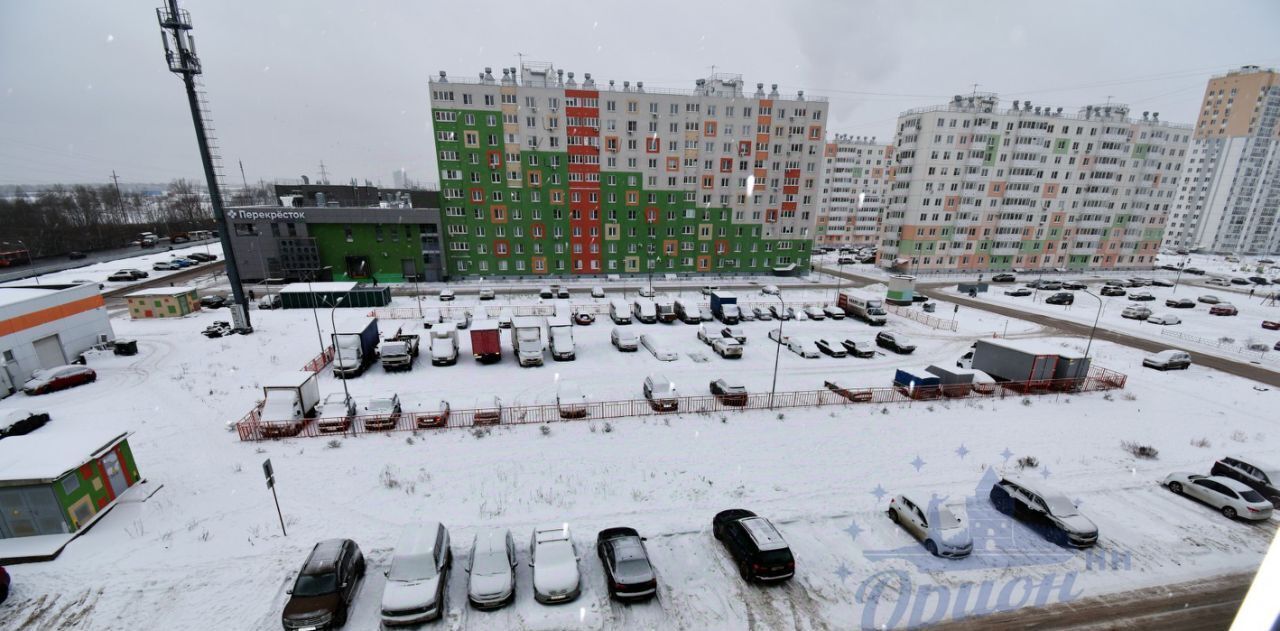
(839, 275)
(337, 347)
(311, 298)
(777, 354)
(30, 261)
(1095, 323)
(1177, 278)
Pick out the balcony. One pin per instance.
(1038, 147)
(1017, 178)
(1112, 136)
(976, 160)
(1099, 195)
(1021, 193)
(906, 145)
(906, 162)
(1023, 163)
(1112, 153)
(1106, 167)
(1005, 251)
(1033, 132)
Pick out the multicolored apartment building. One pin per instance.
(543, 175)
(855, 178)
(981, 187)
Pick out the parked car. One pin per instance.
(219, 328)
(835, 313)
(76, 255)
(1259, 280)
(859, 348)
(726, 347)
(658, 349)
(418, 577)
(1140, 281)
(381, 413)
(1004, 278)
(1218, 282)
(270, 301)
(571, 402)
(761, 314)
(1263, 478)
(705, 337)
(487, 293)
(1072, 285)
(845, 260)
(1165, 319)
(322, 594)
(755, 546)
(1271, 325)
(1180, 303)
(22, 422)
(1194, 271)
(1136, 312)
(1109, 290)
(1231, 497)
(770, 290)
(628, 574)
(554, 559)
(1060, 298)
(941, 531)
(780, 312)
(183, 262)
(447, 295)
(746, 315)
(707, 290)
(1224, 309)
(1236, 280)
(1168, 360)
(803, 347)
(1019, 292)
(729, 393)
(214, 301)
(1209, 299)
(895, 342)
(661, 393)
(597, 292)
(624, 340)
(546, 292)
(4, 584)
(830, 349)
(1044, 510)
(203, 257)
(562, 292)
(335, 412)
(1117, 282)
(815, 313)
(48, 380)
(136, 273)
(734, 332)
(1141, 296)
(491, 569)
(1162, 282)
(159, 266)
(645, 292)
(433, 417)
(488, 411)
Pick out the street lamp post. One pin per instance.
(30, 261)
(777, 354)
(336, 347)
(1178, 278)
(311, 298)
(1089, 346)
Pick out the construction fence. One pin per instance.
(252, 428)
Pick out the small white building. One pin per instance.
(42, 326)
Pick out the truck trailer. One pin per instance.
(865, 307)
(354, 345)
(1026, 363)
(486, 341)
(288, 402)
(956, 382)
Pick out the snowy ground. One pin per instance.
(206, 552)
(98, 272)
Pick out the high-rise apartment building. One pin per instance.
(855, 175)
(1229, 196)
(979, 187)
(542, 174)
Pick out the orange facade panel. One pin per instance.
(50, 314)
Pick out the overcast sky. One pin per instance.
(84, 88)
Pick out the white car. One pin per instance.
(815, 313)
(660, 351)
(491, 569)
(646, 292)
(1168, 360)
(727, 347)
(415, 589)
(381, 413)
(624, 339)
(487, 293)
(554, 559)
(773, 335)
(1166, 319)
(1136, 312)
(937, 528)
(703, 336)
(734, 332)
(570, 400)
(270, 301)
(770, 290)
(835, 313)
(1218, 282)
(334, 414)
(1231, 497)
(597, 292)
(803, 347)
(446, 295)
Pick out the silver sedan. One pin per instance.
(937, 527)
(1232, 498)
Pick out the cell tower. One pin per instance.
(180, 53)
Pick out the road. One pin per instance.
(1196, 606)
(60, 263)
(1229, 366)
(115, 297)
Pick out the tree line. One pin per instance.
(60, 219)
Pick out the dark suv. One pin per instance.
(1257, 476)
(322, 594)
(1047, 512)
(755, 545)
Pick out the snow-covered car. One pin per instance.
(1218, 282)
(831, 349)
(770, 290)
(433, 417)
(1209, 299)
(645, 292)
(734, 332)
(803, 347)
(815, 313)
(780, 312)
(1162, 282)
(381, 413)
(1141, 296)
(938, 529)
(486, 293)
(705, 337)
(1071, 285)
(597, 292)
(835, 313)
(859, 348)
(335, 412)
(488, 411)
(554, 559)
(1224, 309)
(1044, 510)
(571, 402)
(1168, 360)
(1136, 312)
(761, 314)
(21, 422)
(659, 350)
(1230, 497)
(1019, 292)
(1180, 303)
(895, 342)
(628, 575)
(219, 328)
(729, 393)
(1165, 319)
(446, 295)
(491, 569)
(726, 347)
(417, 579)
(270, 301)
(1111, 290)
(582, 318)
(159, 266)
(214, 301)
(624, 340)
(661, 393)
(48, 380)
(746, 315)
(1259, 476)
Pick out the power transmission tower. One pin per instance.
(180, 54)
(324, 175)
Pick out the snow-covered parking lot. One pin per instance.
(206, 551)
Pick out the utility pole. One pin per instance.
(324, 175)
(115, 179)
(180, 54)
(243, 182)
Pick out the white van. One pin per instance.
(644, 310)
(619, 311)
(688, 311)
(415, 589)
(505, 317)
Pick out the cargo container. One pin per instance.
(1071, 370)
(956, 382)
(1026, 362)
(486, 341)
(917, 383)
(288, 403)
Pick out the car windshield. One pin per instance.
(416, 567)
(316, 584)
(1061, 506)
(490, 564)
(946, 519)
(380, 405)
(1251, 496)
(528, 335)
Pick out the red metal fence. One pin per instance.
(251, 428)
(320, 361)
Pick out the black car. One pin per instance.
(1141, 296)
(757, 548)
(1259, 280)
(1019, 292)
(1004, 278)
(76, 255)
(895, 342)
(21, 422)
(1239, 281)
(729, 393)
(213, 302)
(845, 260)
(1171, 268)
(1180, 303)
(1050, 513)
(202, 257)
(1111, 290)
(919, 298)
(120, 277)
(1071, 285)
(322, 594)
(1262, 479)
(628, 575)
(1060, 298)
(858, 348)
(833, 350)
(1194, 271)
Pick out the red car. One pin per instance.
(1271, 325)
(58, 378)
(1223, 309)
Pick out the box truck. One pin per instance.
(444, 344)
(560, 338)
(956, 382)
(354, 345)
(1025, 362)
(861, 305)
(486, 341)
(917, 383)
(526, 339)
(398, 351)
(666, 308)
(288, 402)
(724, 306)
